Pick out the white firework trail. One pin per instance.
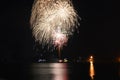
(53, 21)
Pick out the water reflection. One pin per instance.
(92, 71)
(75, 71)
(50, 71)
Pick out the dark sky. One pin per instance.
(98, 33)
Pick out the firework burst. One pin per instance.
(53, 21)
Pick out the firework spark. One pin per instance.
(59, 38)
(53, 21)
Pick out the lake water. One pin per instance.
(59, 71)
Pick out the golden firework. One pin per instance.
(53, 19)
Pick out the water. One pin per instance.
(59, 71)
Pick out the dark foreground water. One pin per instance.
(59, 71)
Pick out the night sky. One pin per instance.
(98, 31)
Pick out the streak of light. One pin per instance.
(92, 71)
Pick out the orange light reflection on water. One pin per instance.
(92, 71)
